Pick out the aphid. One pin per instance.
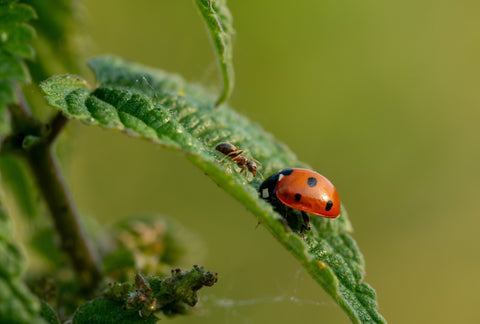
(303, 190)
(235, 154)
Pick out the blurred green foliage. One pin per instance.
(151, 244)
(17, 304)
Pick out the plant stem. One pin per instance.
(43, 162)
(45, 167)
(56, 126)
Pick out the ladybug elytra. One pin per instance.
(303, 190)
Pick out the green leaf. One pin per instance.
(5, 225)
(160, 107)
(48, 314)
(15, 38)
(11, 260)
(17, 178)
(7, 93)
(176, 294)
(108, 311)
(43, 241)
(172, 295)
(149, 243)
(58, 37)
(218, 19)
(13, 69)
(15, 35)
(17, 304)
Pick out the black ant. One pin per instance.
(235, 154)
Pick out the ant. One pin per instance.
(235, 154)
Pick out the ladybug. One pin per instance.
(303, 190)
(235, 154)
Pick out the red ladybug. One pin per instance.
(303, 190)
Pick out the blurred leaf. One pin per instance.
(7, 95)
(59, 47)
(119, 263)
(152, 104)
(43, 242)
(48, 314)
(16, 177)
(149, 243)
(17, 304)
(58, 38)
(15, 34)
(5, 225)
(13, 69)
(218, 18)
(15, 38)
(11, 260)
(108, 311)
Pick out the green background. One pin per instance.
(380, 97)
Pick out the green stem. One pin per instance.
(45, 167)
(59, 121)
(44, 164)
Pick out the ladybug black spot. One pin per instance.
(312, 182)
(298, 197)
(286, 172)
(329, 205)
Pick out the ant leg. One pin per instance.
(242, 169)
(236, 158)
(232, 155)
(235, 154)
(261, 176)
(223, 159)
(260, 164)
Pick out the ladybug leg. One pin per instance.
(283, 220)
(306, 222)
(285, 224)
